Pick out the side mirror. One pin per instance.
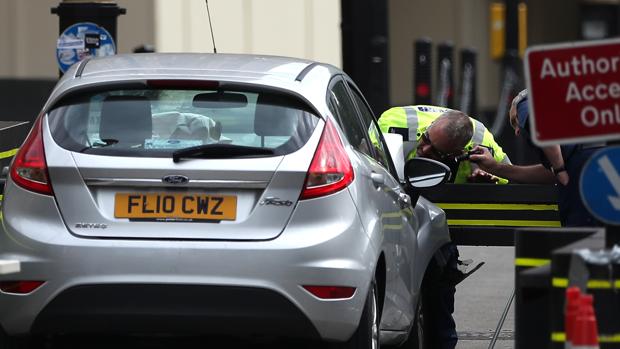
(426, 173)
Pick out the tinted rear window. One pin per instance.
(156, 122)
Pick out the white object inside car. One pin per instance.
(395, 146)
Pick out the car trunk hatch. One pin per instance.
(236, 199)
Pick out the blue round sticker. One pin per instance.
(600, 185)
(83, 40)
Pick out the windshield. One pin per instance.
(157, 122)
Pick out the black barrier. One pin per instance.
(468, 97)
(533, 251)
(601, 281)
(12, 134)
(445, 75)
(486, 214)
(422, 66)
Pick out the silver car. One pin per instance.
(215, 194)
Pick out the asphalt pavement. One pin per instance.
(481, 298)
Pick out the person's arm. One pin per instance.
(532, 174)
(554, 155)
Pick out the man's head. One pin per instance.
(446, 136)
(519, 113)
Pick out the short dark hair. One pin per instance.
(457, 126)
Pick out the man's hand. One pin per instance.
(483, 158)
(480, 176)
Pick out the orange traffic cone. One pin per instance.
(584, 331)
(573, 295)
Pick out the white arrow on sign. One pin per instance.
(614, 179)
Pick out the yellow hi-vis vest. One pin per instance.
(417, 118)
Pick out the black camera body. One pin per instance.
(465, 156)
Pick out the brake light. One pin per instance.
(330, 292)
(29, 169)
(20, 287)
(183, 84)
(330, 170)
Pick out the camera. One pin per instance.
(465, 156)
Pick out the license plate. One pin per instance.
(175, 206)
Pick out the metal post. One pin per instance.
(468, 99)
(445, 76)
(422, 71)
(501, 320)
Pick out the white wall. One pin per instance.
(299, 28)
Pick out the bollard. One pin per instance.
(468, 96)
(422, 72)
(445, 76)
(534, 309)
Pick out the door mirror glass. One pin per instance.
(426, 173)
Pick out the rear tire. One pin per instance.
(9, 342)
(416, 337)
(367, 334)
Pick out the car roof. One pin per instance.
(230, 65)
(276, 71)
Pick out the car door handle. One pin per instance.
(404, 200)
(377, 179)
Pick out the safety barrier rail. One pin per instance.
(487, 214)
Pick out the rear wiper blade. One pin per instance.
(219, 151)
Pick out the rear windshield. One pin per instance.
(157, 122)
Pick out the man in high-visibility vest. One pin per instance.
(443, 134)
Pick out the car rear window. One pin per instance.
(156, 122)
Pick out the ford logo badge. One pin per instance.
(175, 179)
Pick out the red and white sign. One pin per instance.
(574, 92)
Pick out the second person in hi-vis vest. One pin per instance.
(444, 135)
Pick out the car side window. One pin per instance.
(342, 107)
(371, 126)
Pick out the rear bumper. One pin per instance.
(125, 278)
(177, 309)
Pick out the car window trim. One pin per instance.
(351, 87)
(330, 86)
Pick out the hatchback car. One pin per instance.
(214, 194)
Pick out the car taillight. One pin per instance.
(29, 169)
(330, 170)
(330, 292)
(20, 287)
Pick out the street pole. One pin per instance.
(86, 29)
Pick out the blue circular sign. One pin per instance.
(83, 40)
(600, 185)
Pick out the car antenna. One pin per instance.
(211, 26)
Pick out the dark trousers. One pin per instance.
(438, 301)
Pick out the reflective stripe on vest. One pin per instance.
(478, 132)
(412, 126)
